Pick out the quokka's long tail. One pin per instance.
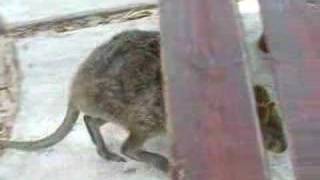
(63, 130)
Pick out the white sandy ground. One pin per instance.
(48, 62)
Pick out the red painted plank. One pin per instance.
(292, 29)
(209, 99)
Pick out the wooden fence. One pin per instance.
(209, 97)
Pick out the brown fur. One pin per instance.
(270, 121)
(121, 81)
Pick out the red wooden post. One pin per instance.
(209, 99)
(293, 34)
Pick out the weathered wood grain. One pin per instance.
(292, 29)
(209, 99)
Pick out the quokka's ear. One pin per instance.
(262, 44)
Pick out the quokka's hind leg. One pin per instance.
(133, 149)
(93, 125)
(91, 128)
